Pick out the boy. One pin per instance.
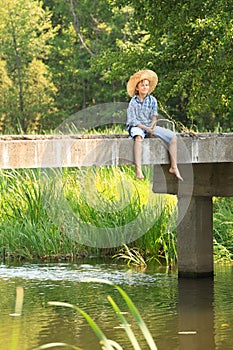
(141, 119)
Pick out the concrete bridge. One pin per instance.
(205, 161)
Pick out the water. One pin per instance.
(181, 314)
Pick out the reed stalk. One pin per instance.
(109, 344)
(108, 198)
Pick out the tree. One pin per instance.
(26, 34)
(39, 96)
(189, 44)
(88, 31)
(5, 94)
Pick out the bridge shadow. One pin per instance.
(196, 314)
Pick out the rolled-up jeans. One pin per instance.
(164, 134)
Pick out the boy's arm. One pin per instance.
(144, 127)
(149, 128)
(153, 122)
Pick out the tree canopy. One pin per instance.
(58, 57)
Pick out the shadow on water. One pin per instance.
(196, 314)
(182, 314)
(205, 316)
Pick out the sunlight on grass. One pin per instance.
(33, 226)
(132, 256)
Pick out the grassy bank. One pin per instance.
(65, 214)
(223, 229)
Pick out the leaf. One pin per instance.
(52, 345)
(91, 322)
(138, 318)
(128, 330)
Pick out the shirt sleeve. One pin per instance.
(154, 107)
(132, 115)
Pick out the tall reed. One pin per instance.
(223, 229)
(104, 198)
(26, 229)
(36, 214)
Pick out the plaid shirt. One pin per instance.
(141, 112)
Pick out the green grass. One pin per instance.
(26, 229)
(46, 215)
(160, 242)
(223, 229)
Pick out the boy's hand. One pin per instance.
(151, 130)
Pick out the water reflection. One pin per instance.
(181, 314)
(196, 314)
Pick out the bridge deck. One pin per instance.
(34, 151)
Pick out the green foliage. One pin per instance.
(5, 93)
(160, 242)
(26, 229)
(36, 220)
(87, 30)
(223, 229)
(104, 188)
(58, 57)
(29, 228)
(132, 256)
(26, 34)
(189, 45)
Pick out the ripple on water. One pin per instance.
(78, 273)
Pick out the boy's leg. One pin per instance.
(173, 158)
(138, 136)
(138, 156)
(170, 138)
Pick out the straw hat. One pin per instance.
(141, 75)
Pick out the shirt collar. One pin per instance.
(138, 99)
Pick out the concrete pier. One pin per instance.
(195, 237)
(205, 161)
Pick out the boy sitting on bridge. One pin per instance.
(141, 119)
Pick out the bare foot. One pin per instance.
(139, 174)
(176, 172)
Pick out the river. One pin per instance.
(181, 314)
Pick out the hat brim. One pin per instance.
(142, 75)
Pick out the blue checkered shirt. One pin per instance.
(141, 112)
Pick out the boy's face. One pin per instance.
(143, 87)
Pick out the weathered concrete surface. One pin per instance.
(206, 148)
(195, 237)
(202, 179)
(72, 151)
(30, 151)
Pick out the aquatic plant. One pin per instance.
(132, 256)
(108, 344)
(159, 243)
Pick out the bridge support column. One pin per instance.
(195, 237)
(195, 209)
